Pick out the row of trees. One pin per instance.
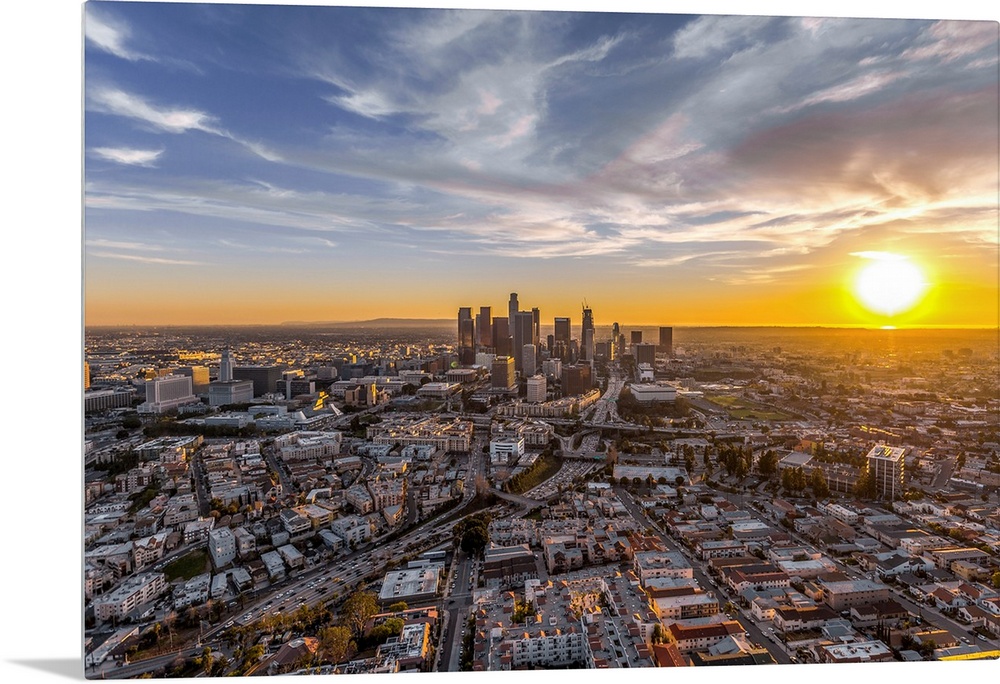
(544, 466)
(795, 480)
(340, 636)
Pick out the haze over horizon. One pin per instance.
(250, 164)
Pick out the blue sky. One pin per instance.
(297, 152)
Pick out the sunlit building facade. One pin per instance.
(886, 465)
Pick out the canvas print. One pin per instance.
(431, 340)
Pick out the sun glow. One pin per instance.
(891, 284)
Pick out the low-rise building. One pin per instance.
(650, 564)
(855, 652)
(130, 595)
(508, 566)
(844, 594)
(412, 584)
(702, 637)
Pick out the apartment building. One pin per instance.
(132, 593)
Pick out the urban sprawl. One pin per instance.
(527, 493)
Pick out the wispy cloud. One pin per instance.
(950, 41)
(879, 256)
(110, 35)
(128, 156)
(112, 100)
(118, 244)
(146, 259)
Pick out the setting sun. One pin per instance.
(890, 284)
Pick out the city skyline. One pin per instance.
(257, 165)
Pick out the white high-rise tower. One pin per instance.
(226, 366)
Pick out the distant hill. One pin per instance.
(377, 323)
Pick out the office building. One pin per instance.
(666, 345)
(466, 337)
(293, 386)
(506, 450)
(199, 377)
(563, 331)
(587, 336)
(484, 327)
(86, 375)
(102, 400)
(529, 356)
(644, 353)
(512, 309)
(502, 343)
(166, 393)
(524, 324)
(502, 373)
(561, 339)
(559, 350)
(536, 389)
(264, 378)
(232, 392)
(886, 466)
(636, 336)
(649, 393)
(576, 379)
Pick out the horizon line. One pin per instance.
(443, 321)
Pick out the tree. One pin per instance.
(472, 534)
(818, 483)
(335, 644)
(207, 660)
(170, 621)
(357, 609)
(689, 458)
(391, 627)
(474, 539)
(768, 463)
(866, 487)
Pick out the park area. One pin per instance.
(745, 409)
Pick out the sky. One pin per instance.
(259, 164)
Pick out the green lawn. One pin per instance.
(743, 409)
(187, 566)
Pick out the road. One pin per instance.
(749, 626)
(457, 601)
(112, 670)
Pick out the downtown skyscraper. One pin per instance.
(466, 336)
(587, 336)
